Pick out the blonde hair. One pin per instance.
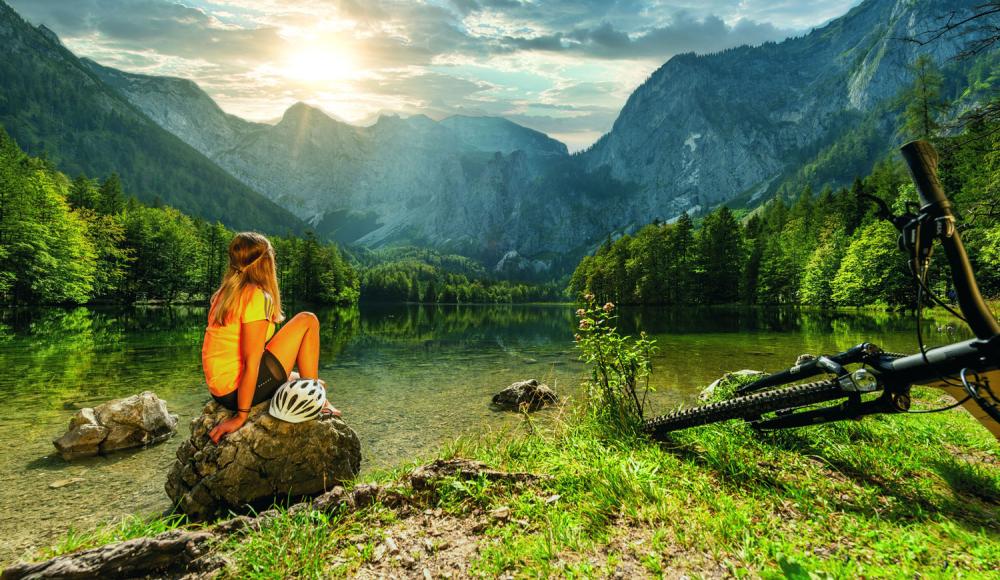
(251, 261)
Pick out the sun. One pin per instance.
(320, 63)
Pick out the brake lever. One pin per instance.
(883, 208)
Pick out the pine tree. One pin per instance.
(111, 199)
(720, 257)
(922, 100)
(83, 193)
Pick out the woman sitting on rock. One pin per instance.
(245, 361)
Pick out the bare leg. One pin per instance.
(297, 345)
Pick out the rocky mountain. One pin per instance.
(731, 127)
(456, 184)
(703, 130)
(53, 104)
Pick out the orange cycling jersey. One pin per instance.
(220, 354)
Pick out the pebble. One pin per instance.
(501, 513)
(64, 482)
(391, 545)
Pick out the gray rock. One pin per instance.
(265, 460)
(709, 391)
(804, 358)
(529, 395)
(136, 421)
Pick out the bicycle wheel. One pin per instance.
(748, 407)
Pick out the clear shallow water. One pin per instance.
(408, 379)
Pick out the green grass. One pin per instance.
(883, 497)
(897, 495)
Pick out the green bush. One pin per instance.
(619, 368)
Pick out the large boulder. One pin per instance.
(265, 460)
(529, 395)
(135, 421)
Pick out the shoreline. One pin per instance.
(716, 500)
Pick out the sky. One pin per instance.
(564, 67)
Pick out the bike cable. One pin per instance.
(922, 280)
(920, 269)
(992, 408)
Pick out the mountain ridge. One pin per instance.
(54, 104)
(736, 127)
(729, 122)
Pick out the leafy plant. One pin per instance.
(619, 367)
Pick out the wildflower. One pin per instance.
(577, 337)
(584, 324)
(609, 307)
(588, 297)
(580, 312)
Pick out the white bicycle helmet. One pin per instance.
(298, 400)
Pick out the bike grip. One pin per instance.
(922, 160)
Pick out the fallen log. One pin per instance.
(167, 552)
(426, 477)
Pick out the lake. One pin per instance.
(408, 379)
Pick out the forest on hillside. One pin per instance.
(74, 241)
(81, 240)
(409, 274)
(827, 249)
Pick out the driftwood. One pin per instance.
(170, 551)
(180, 552)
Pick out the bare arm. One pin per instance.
(253, 335)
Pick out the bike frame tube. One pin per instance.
(977, 412)
(921, 158)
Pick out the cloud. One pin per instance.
(684, 34)
(561, 66)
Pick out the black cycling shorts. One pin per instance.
(270, 376)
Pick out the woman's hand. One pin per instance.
(252, 338)
(230, 425)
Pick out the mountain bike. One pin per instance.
(880, 382)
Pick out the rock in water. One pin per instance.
(709, 391)
(529, 394)
(265, 460)
(134, 421)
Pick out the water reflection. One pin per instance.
(408, 378)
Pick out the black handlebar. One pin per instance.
(865, 352)
(921, 158)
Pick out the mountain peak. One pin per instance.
(49, 34)
(302, 112)
(503, 135)
(302, 108)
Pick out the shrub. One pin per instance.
(619, 367)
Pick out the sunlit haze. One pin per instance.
(564, 67)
